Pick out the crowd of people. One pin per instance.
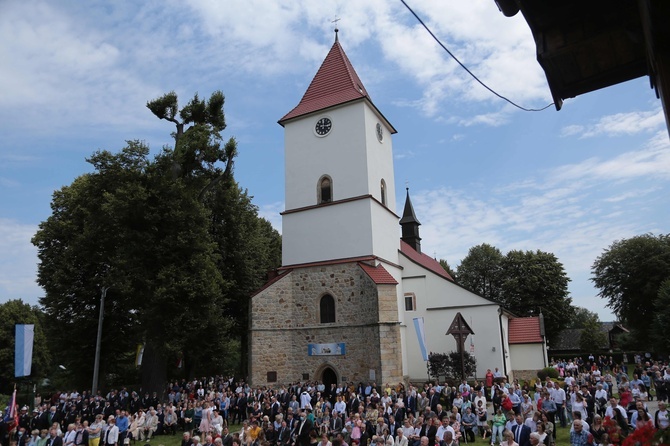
(219, 411)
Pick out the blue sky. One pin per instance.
(76, 77)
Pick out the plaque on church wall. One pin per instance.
(336, 349)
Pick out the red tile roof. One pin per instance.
(335, 83)
(267, 284)
(525, 330)
(378, 274)
(424, 260)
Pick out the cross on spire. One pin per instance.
(337, 19)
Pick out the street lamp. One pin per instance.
(96, 366)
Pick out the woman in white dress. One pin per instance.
(579, 406)
(205, 423)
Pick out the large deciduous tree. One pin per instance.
(525, 282)
(629, 275)
(661, 320)
(174, 237)
(534, 282)
(481, 271)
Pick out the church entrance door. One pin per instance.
(328, 377)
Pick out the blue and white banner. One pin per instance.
(336, 349)
(23, 352)
(421, 335)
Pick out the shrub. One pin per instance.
(547, 372)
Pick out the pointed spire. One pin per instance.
(410, 225)
(337, 19)
(335, 83)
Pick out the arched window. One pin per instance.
(327, 307)
(325, 189)
(383, 190)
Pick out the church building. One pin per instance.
(355, 298)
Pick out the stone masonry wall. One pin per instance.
(285, 318)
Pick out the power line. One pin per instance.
(466, 68)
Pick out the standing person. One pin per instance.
(112, 432)
(189, 415)
(482, 419)
(488, 383)
(549, 409)
(303, 430)
(122, 423)
(579, 437)
(95, 430)
(521, 432)
(661, 419)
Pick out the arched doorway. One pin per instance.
(328, 377)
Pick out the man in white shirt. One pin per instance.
(615, 406)
(341, 407)
(480, 397)
(559, 399)
(444, 427)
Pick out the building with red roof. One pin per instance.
(356, 299)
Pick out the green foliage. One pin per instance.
(17, 312)
(629, 275)
(481, 271)
(582, 317)
(547, 372)
(661, 320)
(536, 282)
(444, 264)
(525, 282)
(180, 253)
(198, 152)
(592, 336)
(450, 365)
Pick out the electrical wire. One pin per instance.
(466, 68)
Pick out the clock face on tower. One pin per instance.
(323, 126)
(380, 132)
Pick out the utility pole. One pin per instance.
(96, 366)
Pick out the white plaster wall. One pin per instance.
(342, 230)
(379, 158)
(433, 291)
(328, 232)
(343, 154)
(527, 356)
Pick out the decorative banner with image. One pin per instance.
(336, 349)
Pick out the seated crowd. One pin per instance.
(313, 414)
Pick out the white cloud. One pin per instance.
(574, 211)
(619, 124)
(652, 160)
(18, 264)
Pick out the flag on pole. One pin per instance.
(139, 355)
(421, 335)
(23, 351)
(12, 417)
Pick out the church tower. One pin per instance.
(339, 191)
(333, 308)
